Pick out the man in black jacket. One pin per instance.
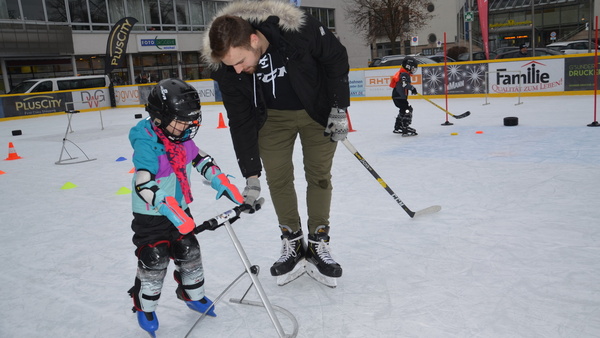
(282, 74)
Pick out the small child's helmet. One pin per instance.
(175, 100)
(410, 64)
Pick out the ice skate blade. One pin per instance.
(313, 272)
(296, 272)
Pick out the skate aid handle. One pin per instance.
(230, 216)
(214, 223)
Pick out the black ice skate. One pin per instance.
(291, 263)
(408, 131)
(319, 263)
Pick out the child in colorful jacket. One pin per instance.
(164, 155)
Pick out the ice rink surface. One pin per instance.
(514, 252)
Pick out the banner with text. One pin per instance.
(116, 45)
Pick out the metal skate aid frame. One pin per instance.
(226, 219)
(69, 160)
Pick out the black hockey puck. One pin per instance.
(17, 132)
(138, 116)
(511, 121)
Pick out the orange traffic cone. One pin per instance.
(12, 154)
(349, 122)
(221, 122)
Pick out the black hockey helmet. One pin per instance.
(410, 64)
(175, 100)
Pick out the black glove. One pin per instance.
(414, 91)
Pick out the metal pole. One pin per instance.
(255, 281)
(532, 29)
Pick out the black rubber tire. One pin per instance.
(511, 121)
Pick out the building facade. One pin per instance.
(54, 38)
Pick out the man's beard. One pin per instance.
(250, 70)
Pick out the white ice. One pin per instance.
(514, 252)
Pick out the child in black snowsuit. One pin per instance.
(401, 84)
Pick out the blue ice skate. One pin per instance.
(148, 321)
(202, 306)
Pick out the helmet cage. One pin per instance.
(173, 100)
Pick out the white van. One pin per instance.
(61, 83)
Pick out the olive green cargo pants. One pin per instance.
(276, 142)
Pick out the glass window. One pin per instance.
(136, 10)
(196, 14)
(325, 15)
(45, 86)
(33, 10)
(98, 11)
(569, 15)
(79, 14)
(10, 10)
(116, 10)
(551, 17)
(56, 11)
(210, 9)
(181, 15)
(166, 12)
(152, 16)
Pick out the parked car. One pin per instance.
(396, 60)
(476, 56)
(61, 83)
(538, 52)
(572, 47)
(440, 58)
(375, 62)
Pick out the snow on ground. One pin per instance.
(513, 253)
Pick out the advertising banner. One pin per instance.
(482, 6)
(206, 90)
(546, 75)
(116, 45)
(89, 99)
(579, 73)
(377, 82)
(156, 43)
(357, 83)
(32, 104)
(462, 79)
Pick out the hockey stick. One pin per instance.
(412, 214)
(463, 115)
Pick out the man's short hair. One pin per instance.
(228, 31)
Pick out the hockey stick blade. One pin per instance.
(462, 116)
(389, 190)
(430, 210)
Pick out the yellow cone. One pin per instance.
(68, 185)
(123, 191)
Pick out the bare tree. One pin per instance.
(387, 18)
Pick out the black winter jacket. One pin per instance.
(317, 64)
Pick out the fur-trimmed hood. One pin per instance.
(291, 18)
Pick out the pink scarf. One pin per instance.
(177, 158)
